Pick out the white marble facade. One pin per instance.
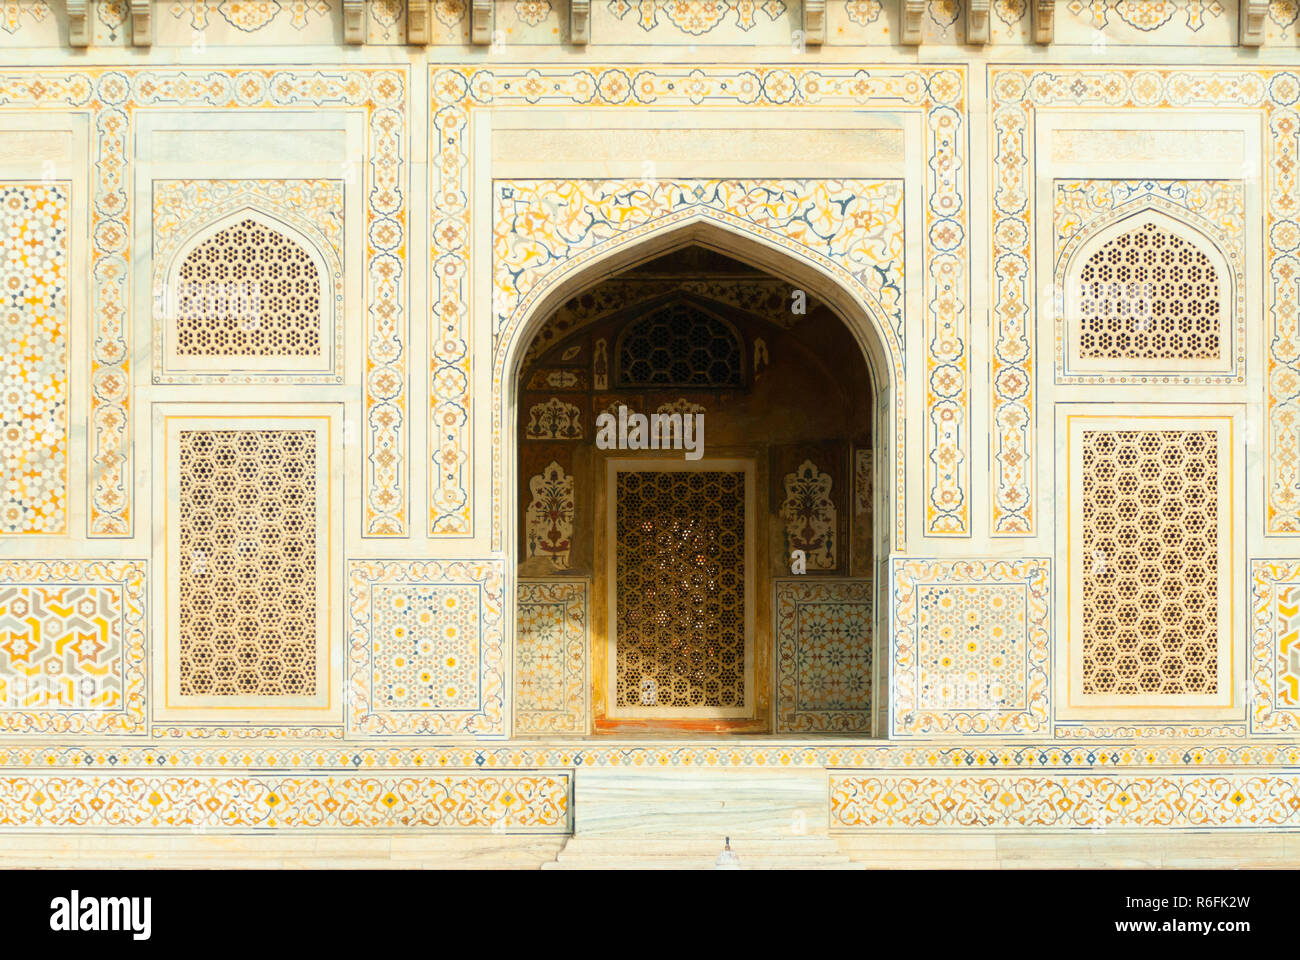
(960, 182)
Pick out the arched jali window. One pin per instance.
(1149, 295)
(248, 290)
(680, 345)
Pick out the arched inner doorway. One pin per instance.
(695, 460)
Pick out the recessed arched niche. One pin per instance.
(1146, 294)
(695, 507)
(249, 295)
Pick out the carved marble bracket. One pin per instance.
(913, 17)
(142, 23)
(354, 21)
(977, 21)
(481, 21)
(1250, 29)
(417, 21)
(580, 22)
(814, 22)
(1044, 22)
(79, 23)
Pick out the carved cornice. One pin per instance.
(977, 21)
(481, 14)
(417, 21)
(814, 22)
(79, 23)
(1253, 16)
(1250, 29)
(354, 21)
(580, 22)
(1044, 22)
(913, 17)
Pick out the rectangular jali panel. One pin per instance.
(248, 562)
(1150, 554)
(1152, 622)
(680, 580)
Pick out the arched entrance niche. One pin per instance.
(804, 268)
(573, 685)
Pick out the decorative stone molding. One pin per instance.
(977, 21)
(579, 22)
(814, 22)
(79, 23)
(1250, 30)
(913, 17)
(142, 23)
(481, 22)
(871, 800)
(504, 801)
(1044, 23)
(417, 22)
(354, 21)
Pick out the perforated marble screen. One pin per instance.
(680, 573)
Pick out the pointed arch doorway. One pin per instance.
(725, 578)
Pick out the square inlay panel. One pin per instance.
(426, 648)
(824, 655)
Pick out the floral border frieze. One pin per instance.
(500, 801)
(1230, 801)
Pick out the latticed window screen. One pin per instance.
(679, 346)
(1149, 294)
(1151, 558)
(680, 574)
(248, 291)
(248, 562)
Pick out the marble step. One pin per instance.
(811, 845)
(701, 804)
(686, 863)
(1047, 849)
(695, 853)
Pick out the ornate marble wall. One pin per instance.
(1065, 242)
